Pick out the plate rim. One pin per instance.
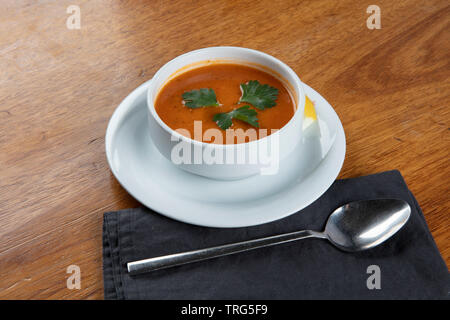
(120, 114)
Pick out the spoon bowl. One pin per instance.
(361, 225)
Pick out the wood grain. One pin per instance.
(58, 88)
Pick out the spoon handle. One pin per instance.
(172, 260)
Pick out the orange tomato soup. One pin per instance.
(225, 79)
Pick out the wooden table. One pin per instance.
(59, 86)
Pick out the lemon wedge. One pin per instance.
(310, 123)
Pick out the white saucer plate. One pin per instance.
(155, 182)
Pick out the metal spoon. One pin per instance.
(355, 226)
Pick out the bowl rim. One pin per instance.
(174, 133)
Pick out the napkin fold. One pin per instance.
(409, 265)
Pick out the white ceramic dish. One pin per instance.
(283, 142)
(155, 182)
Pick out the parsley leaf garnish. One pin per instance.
(224, 120)
(200, 98)
(259, 95)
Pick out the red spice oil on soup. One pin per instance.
(225, 79)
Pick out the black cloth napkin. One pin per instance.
(410, 264)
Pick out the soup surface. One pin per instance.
(225, 79)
